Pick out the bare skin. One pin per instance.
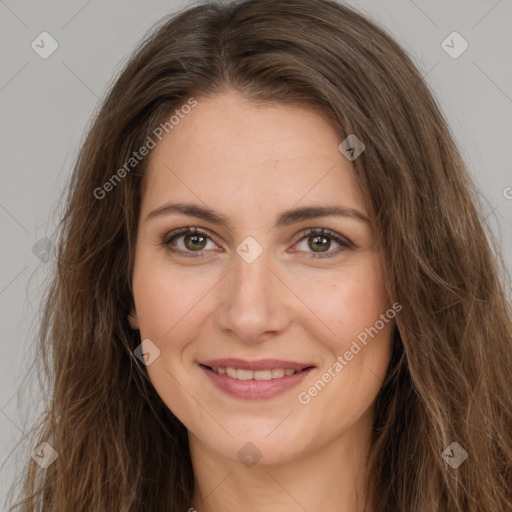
(250, 164)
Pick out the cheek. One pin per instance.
(169, 308)
(357, 309)
(167, 300)
(345, 303)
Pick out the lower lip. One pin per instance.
(255, 389)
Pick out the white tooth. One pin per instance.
(237, 373)
(231, 372)
(244, 374)
(263, 375)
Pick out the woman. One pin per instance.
(275, 289)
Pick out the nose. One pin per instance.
(254, 304)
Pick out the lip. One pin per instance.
(255, 389)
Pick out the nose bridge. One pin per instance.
(251, 277)
(251, 304)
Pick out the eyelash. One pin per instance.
(169, 237)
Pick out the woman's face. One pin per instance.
(257, 292)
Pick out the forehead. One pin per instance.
(231, 150)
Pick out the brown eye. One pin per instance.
(187, 241)
(195, 242)
(319, 243)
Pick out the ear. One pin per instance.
(133, 320)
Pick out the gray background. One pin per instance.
(45, 105)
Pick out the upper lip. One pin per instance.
(260, 364)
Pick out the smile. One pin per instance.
(254, 380)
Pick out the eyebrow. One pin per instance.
(286, 218)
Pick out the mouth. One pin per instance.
(255, 379)
(241, 374)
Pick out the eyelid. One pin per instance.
(187, 230)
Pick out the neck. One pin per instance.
(332, 479)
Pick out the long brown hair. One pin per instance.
(119, 446)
